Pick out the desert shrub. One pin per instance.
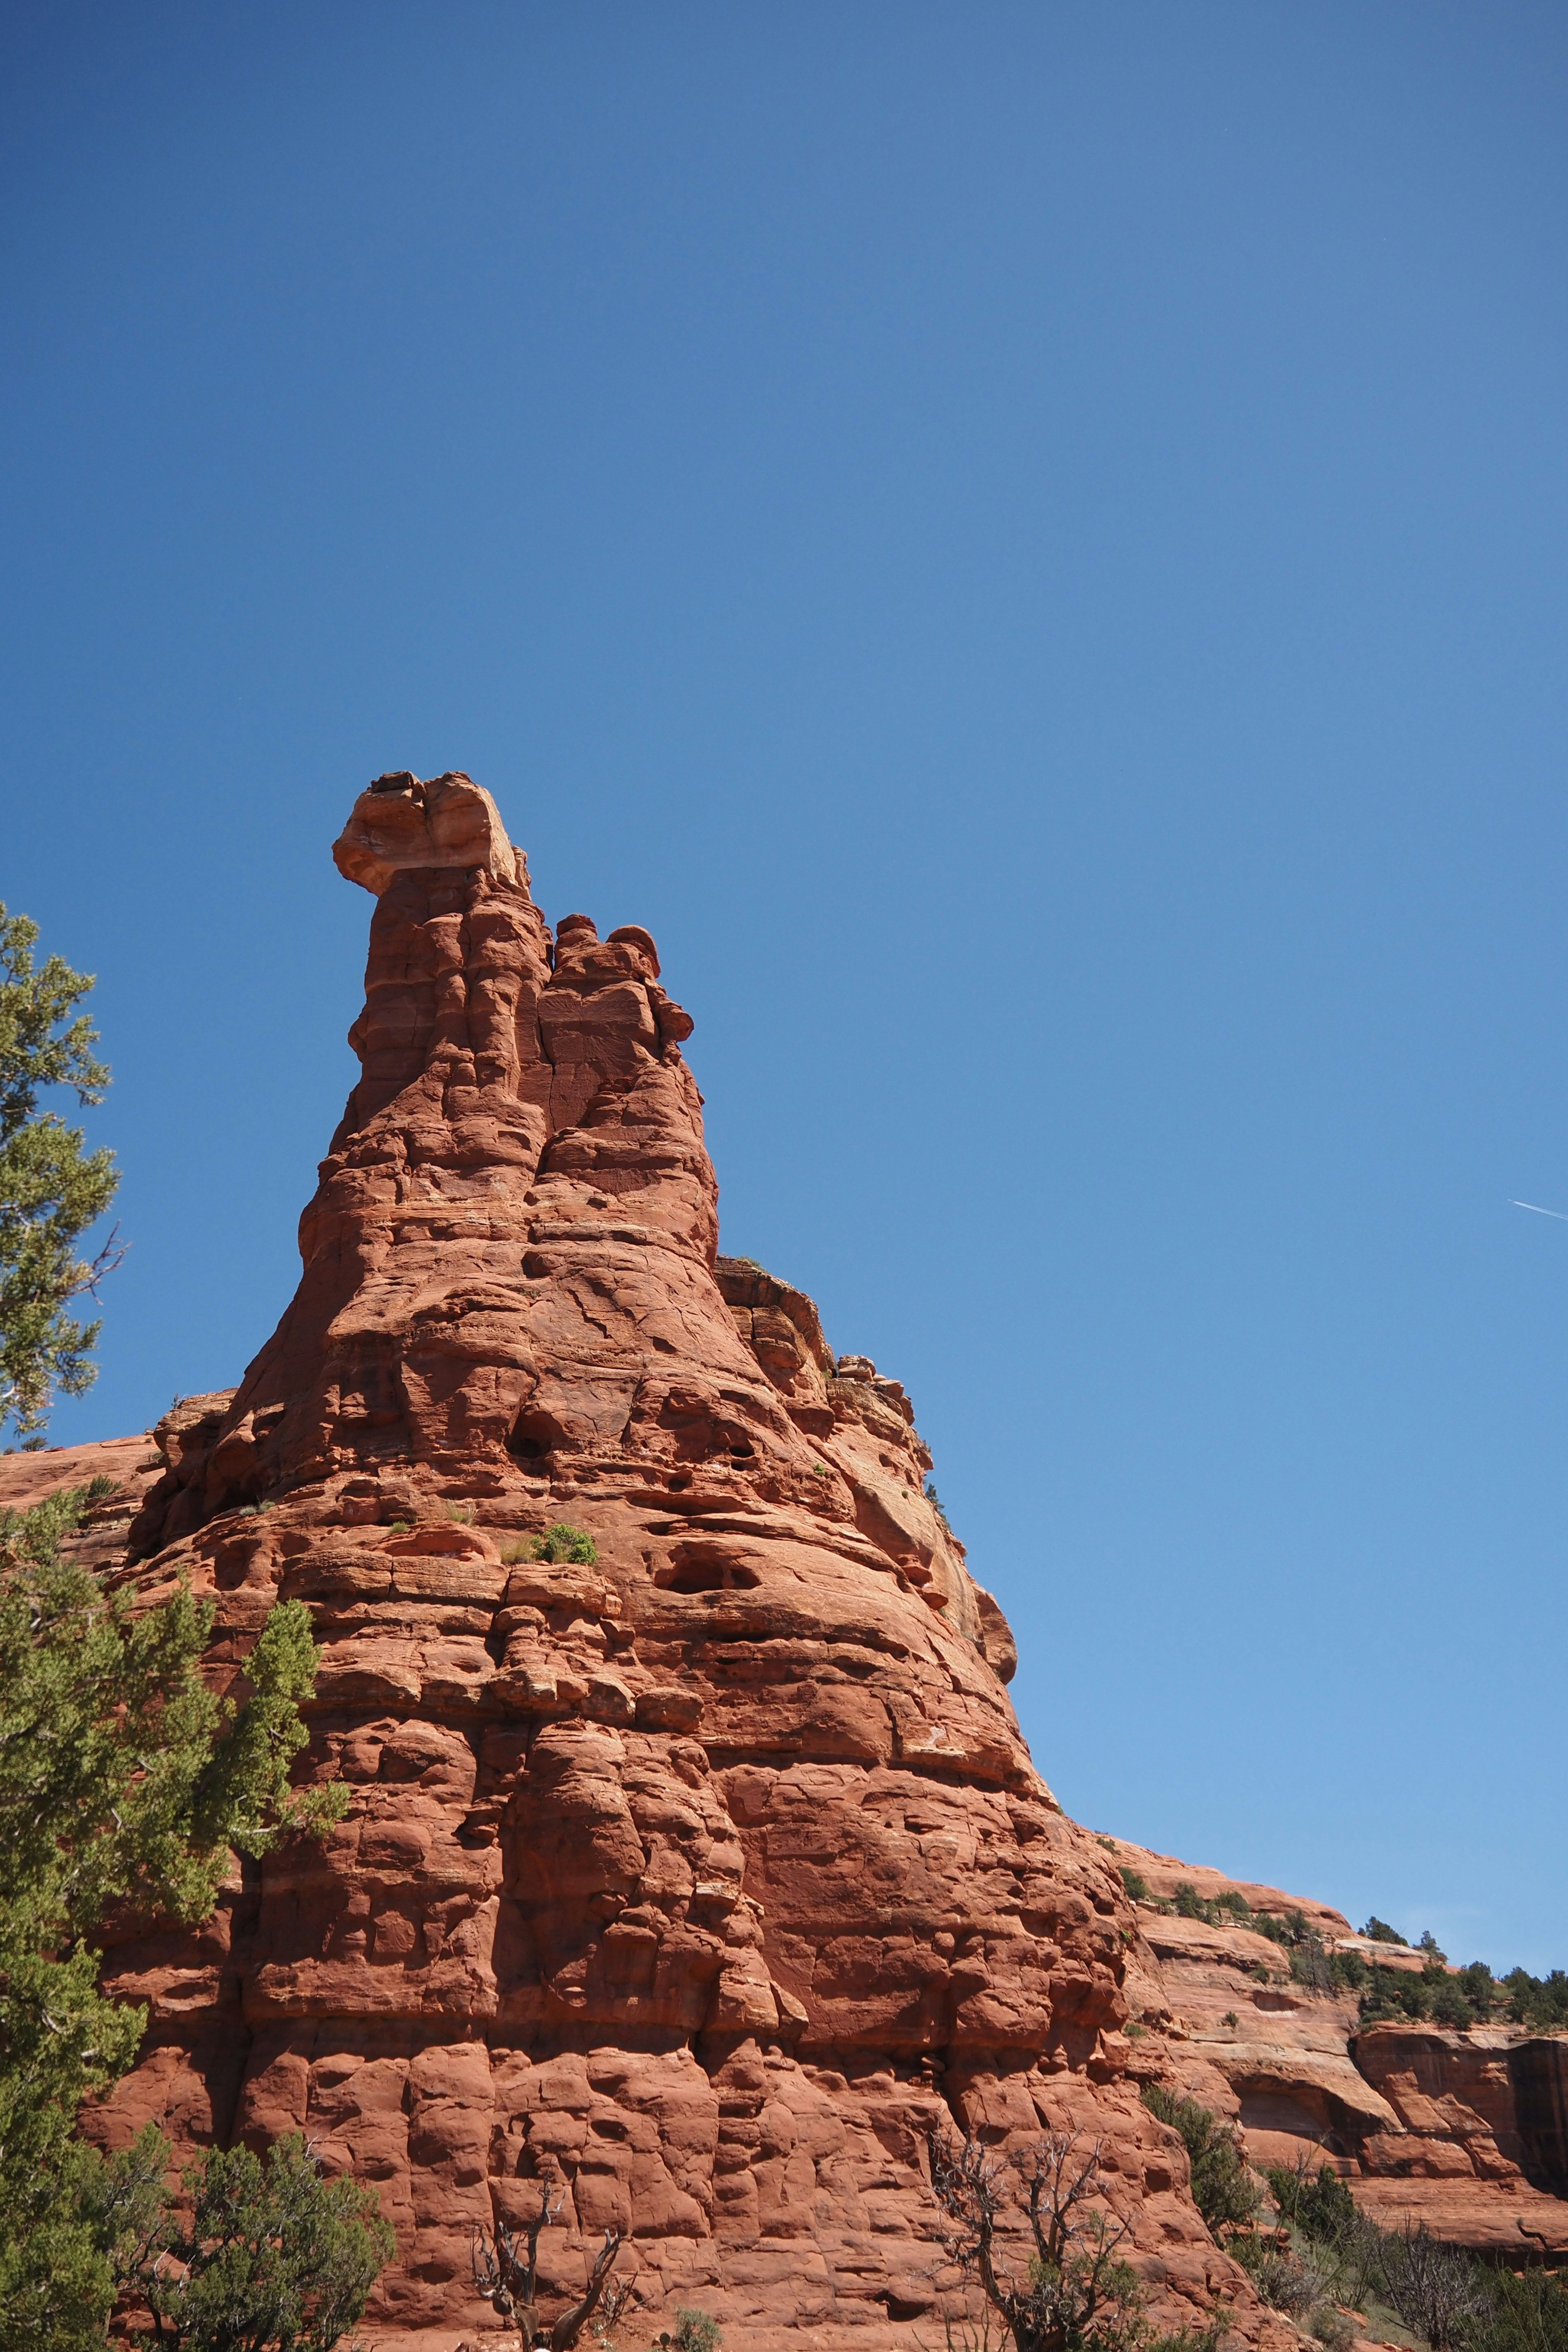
(695, 2331)
(1287, 1928)
(1522, 2313)
(1437, 2289)
(1309, 1967)
(1378, 1931)
(124, 1783)
(1189, 1903)
(561, 1543)
(1434, 1997)
(1334, 2329)
(1077, 2294)
(1224, 2191)
(1135, 1883)
(1281, 2280)
(1319, 2205)
(1538, 2001)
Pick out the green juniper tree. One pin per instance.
(273, 2258)
(124, 1784)
(51, 1189)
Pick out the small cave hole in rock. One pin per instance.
(707, 1573)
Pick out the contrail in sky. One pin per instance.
(1540, 1212)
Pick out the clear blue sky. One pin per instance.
(1026, 543)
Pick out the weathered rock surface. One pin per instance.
(703, 1879)
(1464, 2131)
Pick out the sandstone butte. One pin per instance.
(701, 1881)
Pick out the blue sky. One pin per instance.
(1027, 544)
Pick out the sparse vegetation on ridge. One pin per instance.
(1435, 1994)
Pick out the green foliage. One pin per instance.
(50, 1190)
(1434, 1996)
(1378, 1931)
(124, 1784)
(1339, 2258)
(274, 2258)
(695, 2331)
(1538, 2001)
(1231, 1909)
(1224, 2191)
(1321, 2205)
(1523, 2313)
(65, 2254)
(934, 1500)
(1323, 1972)
(1287, 1928)
(1135, 1883)
(564, 1543)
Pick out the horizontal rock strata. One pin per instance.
(1466, 2132)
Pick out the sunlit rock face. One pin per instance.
(700, 1879)
(1463, 2133)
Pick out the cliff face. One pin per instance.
(703, 1878)
(1463, 2131)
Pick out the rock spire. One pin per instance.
(700, 1875)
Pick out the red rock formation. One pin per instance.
(701, 1878)
(1464, 2131)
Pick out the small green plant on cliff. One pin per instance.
(934, 1500)
(1136, 1884)
(1224, 2191)
(694, 2331)
(124, 1784)
(564, 1543)
(1378, 1931)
